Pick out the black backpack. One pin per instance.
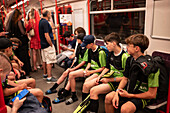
(46, 102)
(153, 64)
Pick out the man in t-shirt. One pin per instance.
(48, 51)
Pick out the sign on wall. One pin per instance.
(65, 19)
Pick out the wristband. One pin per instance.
(117, 90)
(114, 79)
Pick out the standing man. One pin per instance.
(47, 46)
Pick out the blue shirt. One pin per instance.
(44, 27)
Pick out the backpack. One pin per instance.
(46, 102)
(105, 49)
(151, 65)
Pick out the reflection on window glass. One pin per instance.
(117, 4)
(124, 4)
(99, 6)
(125, 24)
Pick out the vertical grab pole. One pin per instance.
(17, 3)
(23, 6)
(88, 6)
(41, 5)
(2, 16)
(57, 28)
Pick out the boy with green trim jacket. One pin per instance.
(80, 61)
(96, 64)
(110, 76)
(141, 86)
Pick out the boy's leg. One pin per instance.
(94, 92)
(89, 83)
(29, 81)
(59, 81)
(72, 76)
(37, 93)
(44, 68)
(108, 102)
(128, 107)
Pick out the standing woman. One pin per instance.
(33, 23)
(18, 30)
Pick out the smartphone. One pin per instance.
(21, 95)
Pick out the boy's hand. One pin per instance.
(124, 93)
(104, 80)
(115, 100)
(88, 73)
(18, 103)
(20, 63)
(98, 80)
(22, 86)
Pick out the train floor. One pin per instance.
(61, 107)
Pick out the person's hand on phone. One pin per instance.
(17, 104)
(64, 47)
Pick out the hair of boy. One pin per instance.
(138, 40)
(80, 30)
(5, 64)
(113, 37)
(67, 34)
(80, 36)
(16, 40)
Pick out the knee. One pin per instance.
(71, 76)
(85, 86)
(93, 91)
(40, 92)
(124, 109)
(108, 99)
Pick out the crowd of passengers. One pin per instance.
(105, 73)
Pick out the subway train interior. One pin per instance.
(85, 56)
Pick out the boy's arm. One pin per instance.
(150, 94)
(96, 70)
(19, 61)
(78, 66)
(88, 66)
(10, 91)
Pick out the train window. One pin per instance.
(98, 5)
(125, 24)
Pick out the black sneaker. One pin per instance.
(71, 100)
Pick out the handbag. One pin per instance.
(32, 32)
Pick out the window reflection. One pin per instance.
(125, 24)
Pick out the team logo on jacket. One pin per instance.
(144, 65)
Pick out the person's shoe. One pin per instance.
(58, 100)
(71, 100)
(45, 76)
(50, 91)
(52, 80)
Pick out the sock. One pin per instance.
(65, 93)
(84, 95)
(73, 94)
(54, 86)
(94, 105)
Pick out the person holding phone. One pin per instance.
(5, 68)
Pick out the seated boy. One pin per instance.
(96, 64)
(68, 49)
(110, 76)
(139, 86)
(80, 60)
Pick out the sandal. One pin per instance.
(57, 100)
(50, 91)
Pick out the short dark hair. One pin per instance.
(80, 30)
(112, 37)
(45, 13)
(67, 34)
(16, 40)
(138, 40)
(80, 36)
